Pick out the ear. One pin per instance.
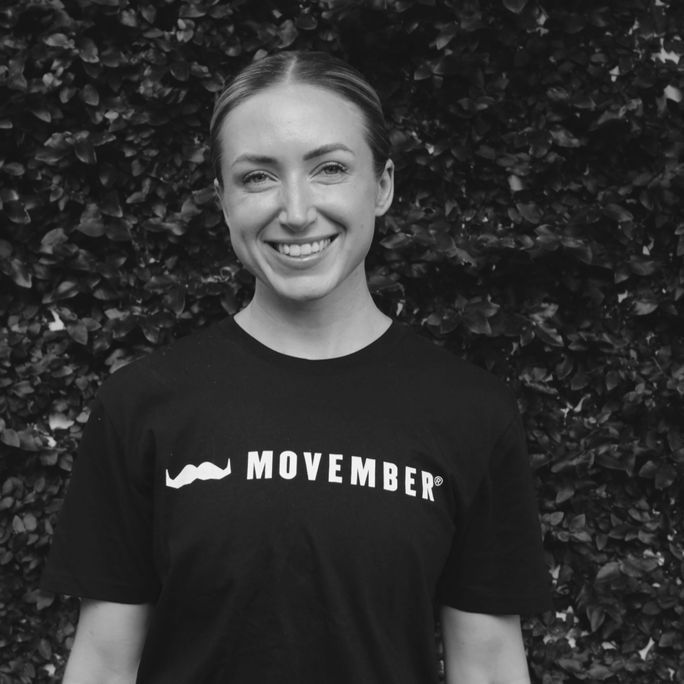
(385, 193)
(218, 189)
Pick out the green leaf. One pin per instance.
(642, 266)
(118, 230)
(13, 169)
(515, 6)
(563, 138)
(65, 290)
(59, 40)
(618, 213)
(78, 332)
(20, 273)
(175, 300)
(529, 211)
(42, 114)
(52, 239)
(609, 571)
(10, 438)
(422, 72)
(91, 97)
(16, 211)
(287, 33)
(548, 335)
(180, 70)
(110, 205)
(85, 151)
(88, 51)
(596, 616)
(643, 307)
(665, 476)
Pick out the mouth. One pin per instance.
(302, 250)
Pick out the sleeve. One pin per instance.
(103, 543)
(496, 564)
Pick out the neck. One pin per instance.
(318, 329)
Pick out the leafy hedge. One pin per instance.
(538, 231)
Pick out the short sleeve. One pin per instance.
(103, 543)
(496, 564)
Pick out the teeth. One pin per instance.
(303, 250)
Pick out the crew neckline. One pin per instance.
(375, 350)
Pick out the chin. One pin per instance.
(305, 291)
(335, 286)
(303, 295)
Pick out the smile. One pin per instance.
(300, 250)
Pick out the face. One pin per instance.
(300, 194)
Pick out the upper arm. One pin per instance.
(108, 643)
(483, 649)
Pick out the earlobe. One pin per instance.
(385, 189)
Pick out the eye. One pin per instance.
(255, 178)
(332, 169)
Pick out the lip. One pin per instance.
(301, 240)
(301, 259)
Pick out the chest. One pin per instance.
(288, 488)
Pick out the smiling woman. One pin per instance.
(300, 196)
(302, 166)
(290, 495)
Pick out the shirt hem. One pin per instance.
(500, 605)
(95, 590)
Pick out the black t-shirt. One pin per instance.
(298, 520)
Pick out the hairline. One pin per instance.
(292, 76)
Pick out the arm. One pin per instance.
(108, 643)
(483, 649)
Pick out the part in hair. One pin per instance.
(317, 69)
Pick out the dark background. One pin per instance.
(538, 231)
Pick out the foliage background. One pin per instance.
(538, 231)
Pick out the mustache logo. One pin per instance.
(190, 473)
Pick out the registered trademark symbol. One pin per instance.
(439, 481)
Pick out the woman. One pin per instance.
(288, 495)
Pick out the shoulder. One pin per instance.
(171, 369)
(438, 371)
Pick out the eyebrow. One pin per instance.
(317, 152)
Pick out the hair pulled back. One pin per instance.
(311, 68)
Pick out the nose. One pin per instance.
(296, 210)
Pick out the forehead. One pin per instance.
(294, 112)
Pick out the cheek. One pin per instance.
(247, 214)
(354, 203)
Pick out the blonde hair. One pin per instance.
(312, 68)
